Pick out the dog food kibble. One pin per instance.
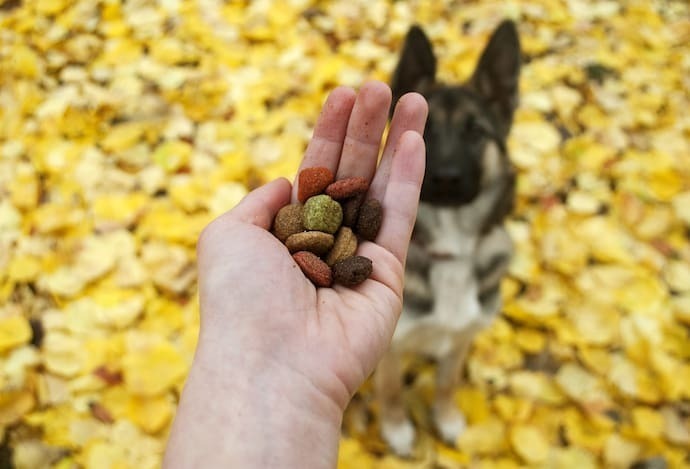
(322, 234)
(322, 213)
(314, 268)
(288, 221)
(313, 181)
(352, 271)
(313, 241)
(345, 246)
(369, 219)
(351, 209)
(346, 188)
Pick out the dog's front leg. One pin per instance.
(449, 421)
(396, 428)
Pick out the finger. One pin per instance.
(326, 144)
(410, 114)
(260, 206)
(401, 198)
(364, 131)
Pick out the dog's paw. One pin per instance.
(450, 423)
(399, 436)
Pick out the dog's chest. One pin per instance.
(443, 267)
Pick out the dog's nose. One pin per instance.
(446, 181)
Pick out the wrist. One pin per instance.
(267, 416)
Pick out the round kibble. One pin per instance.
(348, 187)
(369, 219)
(314, 268)
(317, 242)
(345, 246)
(313, 181)
(322, 213)
(352, 271)
(288, 221)
(351, 209)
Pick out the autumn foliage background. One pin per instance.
(126, 126)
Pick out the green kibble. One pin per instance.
(321, 213)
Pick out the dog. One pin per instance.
(460, 249)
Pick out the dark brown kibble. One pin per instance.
(313, 241)
(352, 271)
(288, 221)
(351, 209)
(346, 188)
(369, 219)
(314, 268)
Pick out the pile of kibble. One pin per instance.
(322, 230)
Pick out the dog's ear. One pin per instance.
(417, 66)
(497, 74)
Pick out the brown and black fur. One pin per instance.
(460, 249)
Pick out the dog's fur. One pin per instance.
(460, 249)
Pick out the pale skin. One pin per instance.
(277, 359)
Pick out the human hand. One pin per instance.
(278, 359)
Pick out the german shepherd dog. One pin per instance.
(460, 250)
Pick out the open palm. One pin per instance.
(270, 342)
(251, 286)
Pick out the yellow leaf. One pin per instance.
(681, 205)
(172, 155)
(151, 414)
(170, 51)
(583, 387)
(166, 222)
(24, 268)
(677, 275)
(619, 452)
(681, 307)
(24, 189)
(118, 210)
(226, 197)
(54, 217)
(169, 266)
(633, 381)
(512, 409)
(535, 386)
(568, 458)
(583, 203)
(51, 7)
(14, 405)
(153, 371)
(14, 331)
(235, 166)
(25, 62)
(351, 455)
(587, 154)
(529, 443)
(10, 218)
(55, 423)
(596, 359)
(123, 136)
(647, 422)
(63, 354)
(486, 438)
(473, 404)
(594, 325)
(676, 428)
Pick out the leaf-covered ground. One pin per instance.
(125, 126)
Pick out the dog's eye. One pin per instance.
(473, 131)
